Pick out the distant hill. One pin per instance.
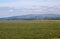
(34, 17)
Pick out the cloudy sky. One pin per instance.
(22, 7)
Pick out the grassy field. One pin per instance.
(48, 29)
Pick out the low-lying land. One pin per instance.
(44, 29)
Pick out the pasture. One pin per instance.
(40, 29)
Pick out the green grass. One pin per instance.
(44, 29)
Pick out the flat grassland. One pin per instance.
(44, 29)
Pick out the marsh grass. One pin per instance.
(44, 29)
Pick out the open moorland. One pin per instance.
(40, 29)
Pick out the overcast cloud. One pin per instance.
(22, 7)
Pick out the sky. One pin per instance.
(23, 7)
